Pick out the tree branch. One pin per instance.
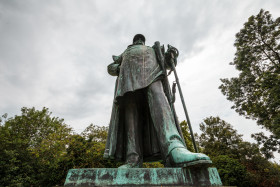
(277, 55)
(261, 41)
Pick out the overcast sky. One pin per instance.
(55, 53)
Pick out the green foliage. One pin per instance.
(86, 150)
(255, 92)
(220, 141)
(219, 138)
(187, 135)
(263, 172)
(32, 145)
(269, 144)
(38, 150)
(231, 171)
(153, 165)
(96, 133)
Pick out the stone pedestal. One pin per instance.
(143, 177)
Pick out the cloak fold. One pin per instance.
(116, 140)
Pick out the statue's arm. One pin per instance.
(114, 68)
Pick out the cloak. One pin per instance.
(137, 67)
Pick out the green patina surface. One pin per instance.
(143, 176)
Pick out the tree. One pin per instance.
(31, 148)
(96, 133)
(255, 92)
(86, 150)
(219, 138)
(269, 144)
(38, 150)
(232, 172)
(220, 141)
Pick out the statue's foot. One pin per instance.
(132, 162)
(130, 165)
(181, 157)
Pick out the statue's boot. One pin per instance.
(132, 162)
(181, 157)
(130, 165)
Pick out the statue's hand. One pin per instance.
(113, 69)
(171, 56)
(117, 59)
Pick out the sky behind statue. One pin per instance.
(55, 54)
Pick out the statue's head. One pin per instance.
(139, 39)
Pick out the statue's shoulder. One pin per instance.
(149, 47)
(132, 46)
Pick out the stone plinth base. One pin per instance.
(143, 177)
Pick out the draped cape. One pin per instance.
(137, 67)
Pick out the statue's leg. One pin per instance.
(133, 132)
(172, 149)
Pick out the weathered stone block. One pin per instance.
(143, 177)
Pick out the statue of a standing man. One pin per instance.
(142, 126)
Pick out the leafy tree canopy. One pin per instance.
(219, 138)
(232, 172)
(220, 141)
(32, 145)
(96, 133)
(269, 144)
(37, 149)
(255, 92)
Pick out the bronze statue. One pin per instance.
(144, 125)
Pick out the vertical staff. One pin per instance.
(161, 60)
(173, 57)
